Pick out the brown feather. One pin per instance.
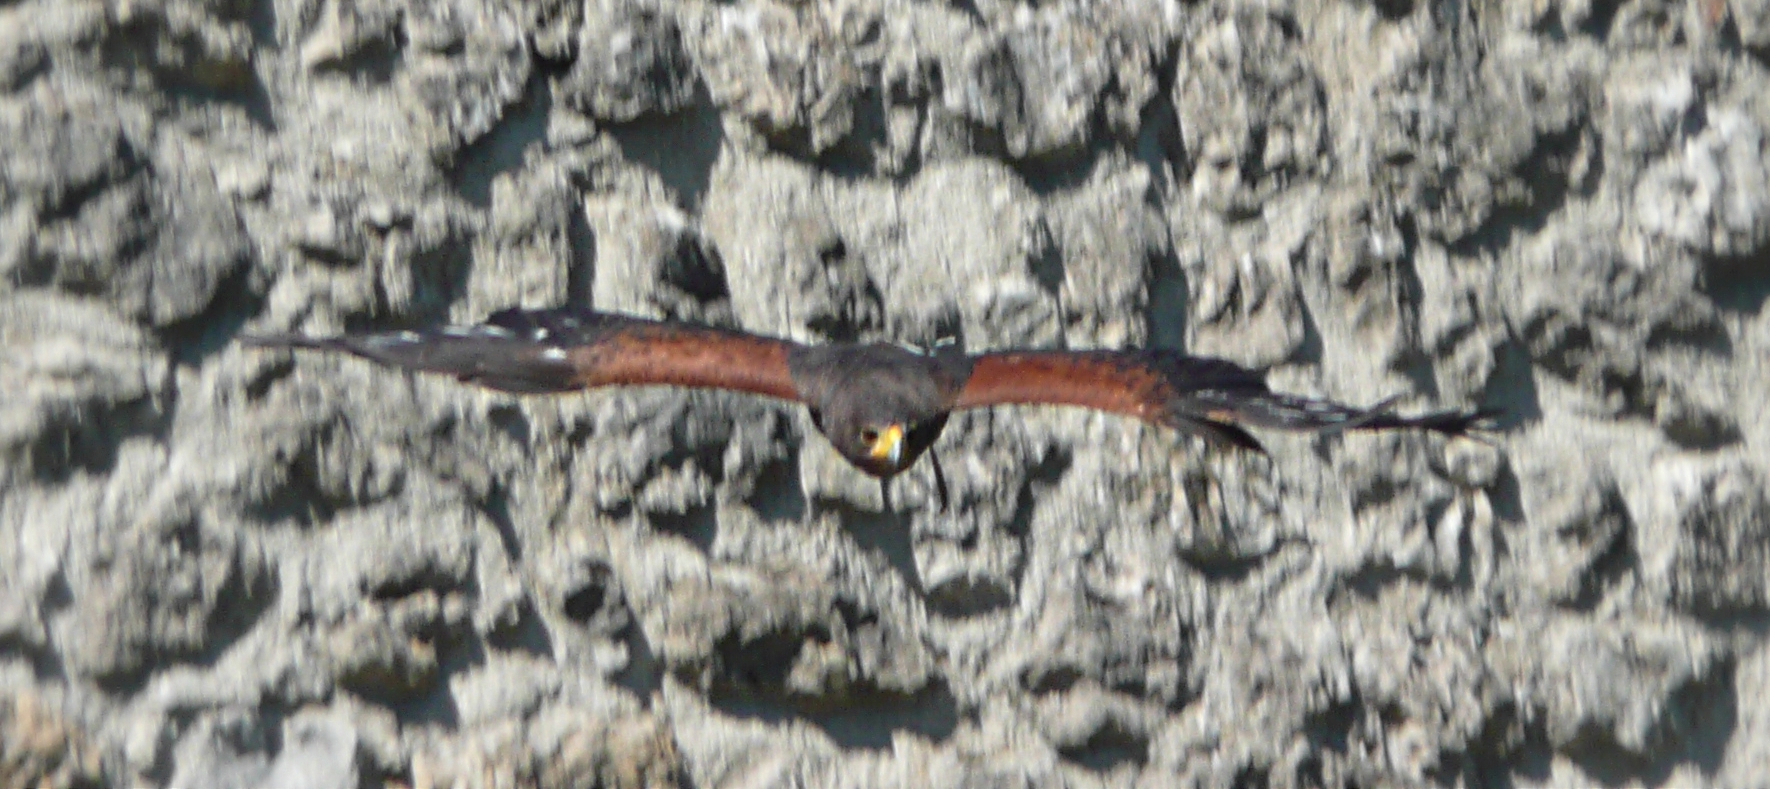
(1034, 377)
(685, 355)
(1138, 384)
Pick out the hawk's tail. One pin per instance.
(488, 355)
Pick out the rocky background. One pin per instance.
(225, 568)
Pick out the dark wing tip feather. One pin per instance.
(526, 322)
(1218, 433)
(1447, 422)
(489, 355)
(1263, 408)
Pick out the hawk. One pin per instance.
(880, 405)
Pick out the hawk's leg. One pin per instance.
(939, 479)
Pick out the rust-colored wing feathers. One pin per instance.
(1213, 398)
(1138, 384)
(532, 352)
(669, 356)
(1101, 380)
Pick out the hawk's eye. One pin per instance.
(869, 435)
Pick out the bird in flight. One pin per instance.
(880, 405)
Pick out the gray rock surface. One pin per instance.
(226, 568)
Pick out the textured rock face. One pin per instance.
(228, 568)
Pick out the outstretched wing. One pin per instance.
(1213, 398)
(539, 351)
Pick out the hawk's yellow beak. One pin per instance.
(889, 444)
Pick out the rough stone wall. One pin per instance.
(226, 568)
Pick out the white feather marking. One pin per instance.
(458, 331)
(494, 331)
(541, 333)
(395, 338)
(554, 354)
